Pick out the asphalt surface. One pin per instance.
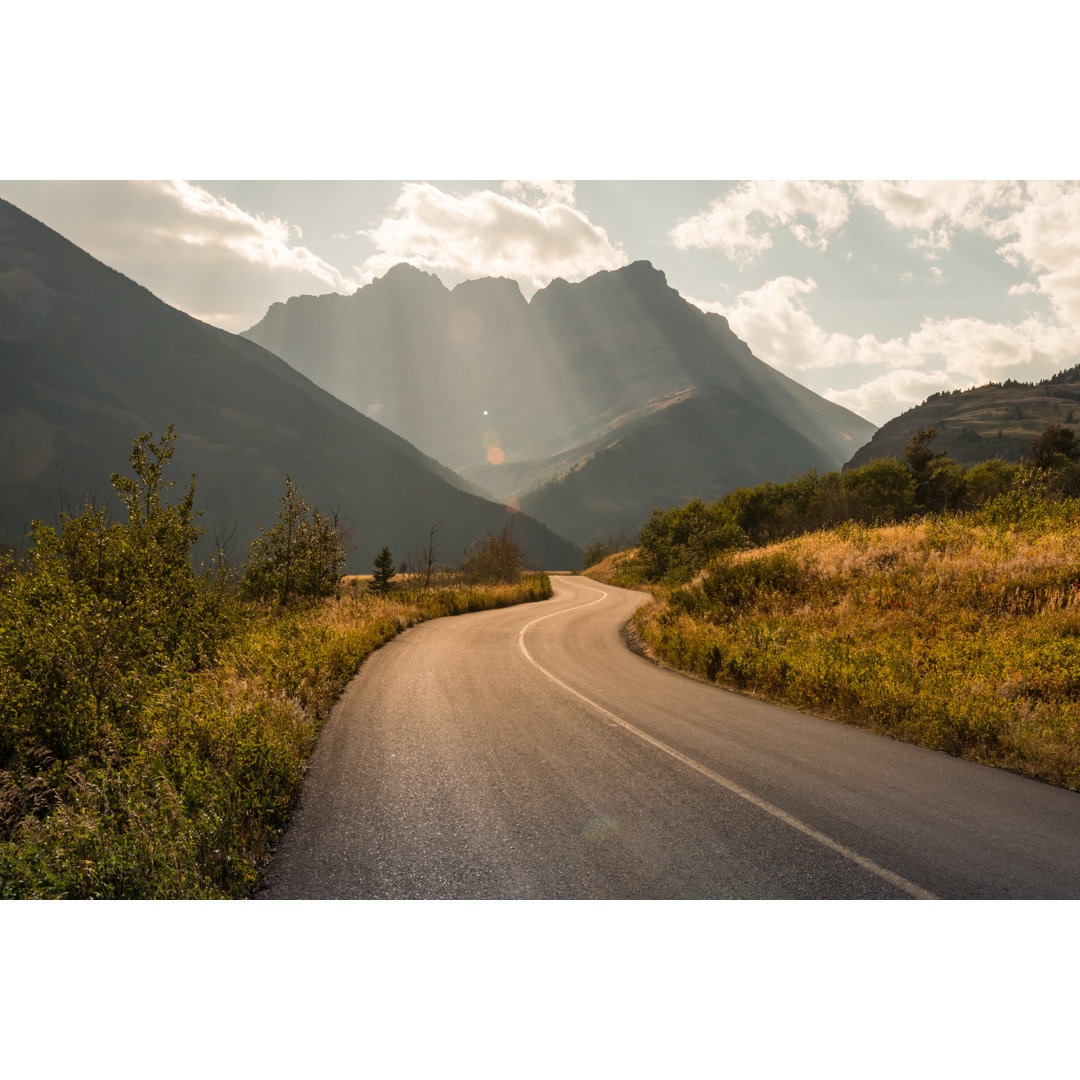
(528, 753)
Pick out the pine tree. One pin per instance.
(384, 571)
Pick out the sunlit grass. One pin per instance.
(958, 633)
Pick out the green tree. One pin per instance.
(597, 552)
(941, 487)
(384, 571)
(939, 481)
(918, 453)
(302, 555)
(684, 539)
(881, 491)
(1054, 448)
(987, 480)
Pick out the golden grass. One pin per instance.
(959, 634)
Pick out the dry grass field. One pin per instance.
(960, 633)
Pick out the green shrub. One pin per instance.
(494, 559)
(680, 541)
(102, 613)
(301, 555)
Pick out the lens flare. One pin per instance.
(465, 326)
(495, 455)
(599, 828)
(512, 504)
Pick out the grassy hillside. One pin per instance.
(996, 420)
(959, 632)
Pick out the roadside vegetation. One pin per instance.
(936, 605)
(156, 717)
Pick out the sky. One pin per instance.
(874, 294)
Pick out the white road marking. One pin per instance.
(869, 865)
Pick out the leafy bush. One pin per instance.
(730, 585)
(101, 613)
(680, 541)
(493, 559)
(302, 555)
(1054, 448)
(596, 553)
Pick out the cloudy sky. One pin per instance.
(873, 293)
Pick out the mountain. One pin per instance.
(996, 420)
(88, 359)
(668, 458)
(589, 404)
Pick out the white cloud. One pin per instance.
(936, 208)
(889, 394)
(196, 251)
(1045, 235)
(774, 321)
(737, 223)
(942, 354)
(204, 220)
(489, 234)
(1038, 222)
(974, 351)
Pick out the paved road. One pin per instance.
(527, 753)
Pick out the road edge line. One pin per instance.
(881, 872)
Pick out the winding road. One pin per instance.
(528, 753)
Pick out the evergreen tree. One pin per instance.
(918, 454)
(384, 571)
(1054, 448)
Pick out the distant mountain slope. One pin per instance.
(516, 395)
(667, 459)
(995, 420)
(88, 359)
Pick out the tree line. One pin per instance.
(675, 544)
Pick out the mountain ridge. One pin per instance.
(89, 358)
(517, 394)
